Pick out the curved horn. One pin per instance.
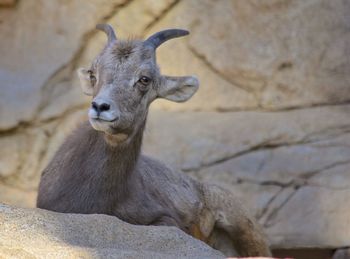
(160, 37)
(108, 29)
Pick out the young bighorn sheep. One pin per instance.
(100, 169)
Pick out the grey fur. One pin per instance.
(100, 169)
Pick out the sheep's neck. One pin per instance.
(119, 163)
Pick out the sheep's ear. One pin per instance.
(178, 89)
(85, 81)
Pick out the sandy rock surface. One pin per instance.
(35, 233)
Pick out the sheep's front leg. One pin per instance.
(231, 218)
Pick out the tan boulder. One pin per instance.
(35, 233)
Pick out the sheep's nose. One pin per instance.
(100, 107)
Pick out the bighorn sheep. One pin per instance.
(99, 169)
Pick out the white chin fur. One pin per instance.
(97, 125)
(105, 127)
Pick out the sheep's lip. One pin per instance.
(103, 120)
(110, 127)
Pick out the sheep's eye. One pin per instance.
(145, 80)
(92, 77)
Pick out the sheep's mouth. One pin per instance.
(113, 127)
(99, 119)
(108, 120)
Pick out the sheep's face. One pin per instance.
(123, 80)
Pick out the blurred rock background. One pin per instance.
(270, 121)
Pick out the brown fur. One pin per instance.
(123, 49)
(103, 170)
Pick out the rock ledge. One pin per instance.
(36, 233)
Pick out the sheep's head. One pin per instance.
(124, 79)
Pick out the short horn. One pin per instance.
(108, 29)
(160, 37)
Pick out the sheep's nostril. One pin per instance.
(100, 107)
(95, 106)
(104, 107)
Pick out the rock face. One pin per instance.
(35, 233)
(292, 168)
(270, 121)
